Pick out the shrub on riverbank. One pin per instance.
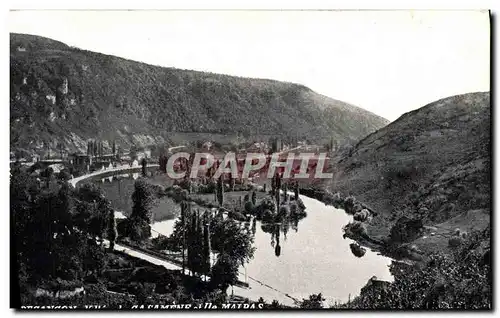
(356, 230)
(462, 280)
(405, 230)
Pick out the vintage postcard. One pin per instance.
(250, 160)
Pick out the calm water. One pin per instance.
(313, 258)
(118, 189)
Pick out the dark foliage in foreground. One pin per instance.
(458, 281)
(54, 229)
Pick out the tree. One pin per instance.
(185, 213)
(60, 147)
(220, 191)
(93, 210)
(228, 237)
(194, 238)
(315, 301)
(296, 191)
(144, 164)
(143, 200)
(207, 247)
(224, 272)
(133, 152)
(163, 163)
(273, 185)
(249, 207)
(112, 232)
(232, 181)
(47, 174)
(51, 236)
(64, 175)
(101, 149)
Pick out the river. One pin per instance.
(313, 257)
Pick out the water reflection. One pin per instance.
(316, 259)
(119, 189)
(275, 230)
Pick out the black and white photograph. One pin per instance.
(250, 160)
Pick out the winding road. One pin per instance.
(237, 289)
(125, 168)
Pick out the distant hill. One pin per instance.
(433, 163)
(62, 95)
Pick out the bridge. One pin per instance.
(106, 172)
(114, 170)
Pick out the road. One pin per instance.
(160, 261)
(74, 181)
(257, 289)
(250, 292)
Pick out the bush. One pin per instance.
(249, 207)
(461, 280)
(406, 230)
(314, 302)
(139, 229)
(64, 175)
(455, 241)
(267, 204)
(237, 216)
(356, 229)
(349, 204)
(268, 216)
(361, 215)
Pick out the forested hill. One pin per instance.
(433, 163)
(62, 95)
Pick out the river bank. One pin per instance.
(358, 229)
(314, 243)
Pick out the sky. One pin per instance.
(387, 62)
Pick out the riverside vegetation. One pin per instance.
(58, 245)
(419, 189)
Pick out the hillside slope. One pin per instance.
(64, 95)
(433, 163)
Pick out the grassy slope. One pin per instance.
(433, 162)
(136, 103)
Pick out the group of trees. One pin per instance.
(54, 230)
(202, 235)
(462, 280)
(96, 147)
(276, 145)
(332, 145)
(196, 239)
(59, 232)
